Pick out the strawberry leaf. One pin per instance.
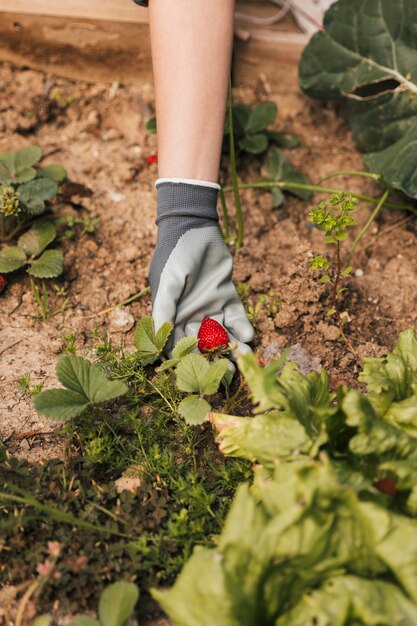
(194, 410)
(49, 265)
(184, 347)
(84, 384)
(11, 259)
(150, 345)
(35, 240)
(212, 378)
(191, 371)
(117, 603)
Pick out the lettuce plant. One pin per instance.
(313, 540)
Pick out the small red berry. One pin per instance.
(151, 159)
(387, 485)
(2, 283)
(211, 335)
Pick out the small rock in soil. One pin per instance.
(121, 321)
(304, 359)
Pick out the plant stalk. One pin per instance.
(235, 184)
(364, 230)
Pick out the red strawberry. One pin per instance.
(2, 283)
(387, 485)
(211, 335)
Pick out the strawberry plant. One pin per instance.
(251, 132)
(327, 532)
(25, 188)
(31, 252)
(84, 384)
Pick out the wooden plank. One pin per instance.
(88, 50)
(105, 40)
(107, 10)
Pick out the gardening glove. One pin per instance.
(191, 270)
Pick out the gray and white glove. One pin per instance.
(191, 270)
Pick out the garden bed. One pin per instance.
(98, 133)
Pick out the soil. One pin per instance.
(98, 133)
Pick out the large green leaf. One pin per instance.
(15, 167)
(264, 438)
(11, 258)
(49, 265)
(367, 54)
(35, 240)
(60, 404)
(35, 193)
(117, 603)
(85, 384)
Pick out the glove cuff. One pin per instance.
(186, 198)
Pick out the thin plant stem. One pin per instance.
(375, 177)
(364, 230)
(318, 188)
(235, 185)
(138, 295)
(226, 222)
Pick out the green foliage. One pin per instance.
(250, 127)
(378, 81)
(80, 225)
(149, 343)
(277, 169)
(30, 251)
(313, 540)
(334, 219)
(196, 376)
(85, 384)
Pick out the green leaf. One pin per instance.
(11, 258)
(378, 80)
(162, 335)
(284, 140)
(264, 438)
(348, 270)
(42, 620)
(151, 125)
(60, 404)
(277, 196)
(148, 343)
(194, 410)
(212, 378)
(166, 365)
(34, 194)
(191, 372)
(261, 116)
(199, 596)
(117, 603)
(54, 171)
(262, 381)
(254, 144)
(49, 265)
(184, 347)
(35, 240)
(85, 621)
(85, 384)
(241, 114)
(395, 373)
(278, 169)
(26, 157)
(325, 279)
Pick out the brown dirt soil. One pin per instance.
(98, 133)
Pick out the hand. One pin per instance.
(193, 280)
